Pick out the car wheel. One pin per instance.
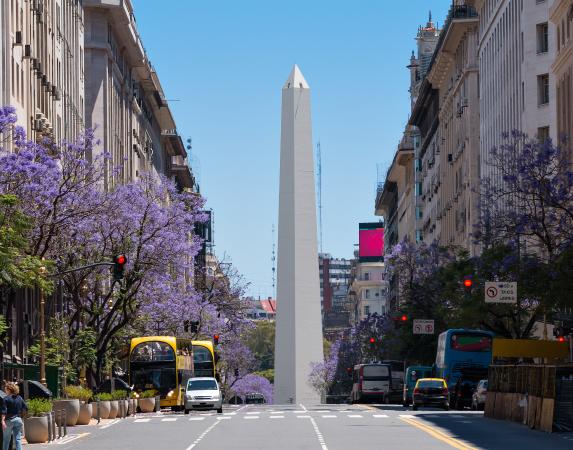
(220, 410)
(186, 411)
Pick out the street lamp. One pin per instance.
(42, 334)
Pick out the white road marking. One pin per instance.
(380, 416)
(322, 410)
(223, 418)
(456, 416)
(318, 434)
(206, 414)
(329, 417)
(169, 419)
(251, 417)
(277, 417)
(202, 435)
(300, 411)
(257, 412)
(196, 418)
(408, 416)
(107, 425)
(303, 417)
(230, 414)
(354, 416)
(70, 438)
(141, 420)
(303, 407)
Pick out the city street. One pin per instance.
(325, 427)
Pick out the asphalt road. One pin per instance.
(324, 427)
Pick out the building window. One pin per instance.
(543, 134)
(366, 293)
(542, 37)
(366, 310)
(418, 212)
(418, 188)
(419, 236)
(543, 89)
(366, 276)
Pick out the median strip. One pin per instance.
(437, 434)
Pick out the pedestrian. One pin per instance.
(13, 406)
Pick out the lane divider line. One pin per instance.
(71, 438)
(438, 434)
(107, 425)
(196, 441)
(318, 434)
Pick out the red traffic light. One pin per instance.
(372, 340)
(120, 259)
(349, 370)
(561, 338)
(216, 339)
(404, 318)
(468, 282)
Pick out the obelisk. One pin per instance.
(298, 339)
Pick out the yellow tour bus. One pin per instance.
(165, 363)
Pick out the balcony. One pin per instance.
(181, 170)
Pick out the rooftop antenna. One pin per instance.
(319, 193)
(274, 260)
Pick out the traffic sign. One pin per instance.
(423, 326)
(500, 292)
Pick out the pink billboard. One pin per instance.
(371, 242)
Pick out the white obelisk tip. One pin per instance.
(296, 80)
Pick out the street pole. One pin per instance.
(42, 336)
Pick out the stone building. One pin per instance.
(562, 68)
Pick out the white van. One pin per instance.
(370, 382)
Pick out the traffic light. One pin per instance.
(403, 318)
(349, 371)
(119, 262)
(561, 332)
(195, 326)
(216, 339)
(186, 326)
(468, 284)
(372, 343)
(236, 373)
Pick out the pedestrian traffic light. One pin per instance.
(119, 262)
(216, 339)
(404, 318)
(236, 373)
(194, 326)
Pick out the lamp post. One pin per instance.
(42, 334)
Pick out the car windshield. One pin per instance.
(435, 384)
(201, 385)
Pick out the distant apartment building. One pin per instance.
(334, 276)
(368, 290)
(561, 15)
(447, 115)
(124, 98)
(265, 309)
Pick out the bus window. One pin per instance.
(202, 361)
(152, 351)
(470, 342)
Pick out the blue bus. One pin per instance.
(463, 359)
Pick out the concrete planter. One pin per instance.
(113, 409)
(132, 406)
(85, 413)
(36, 430)
(72, 408)
(104, 408)
(147, 404)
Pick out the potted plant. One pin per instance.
(113, 407)
(147, 400)
(104, 406)
(83, 395)
(120, 396)
(36, 424)
(72, 408)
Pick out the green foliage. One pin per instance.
(261, 341)
(104, 397)
(269, 374)
(79, 392)
(3, 331)
(150, 393)
(119, 395)
(38, 407)
(18, 269)
(84, 348)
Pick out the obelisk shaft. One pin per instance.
(299, 325)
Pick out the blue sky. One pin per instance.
(226, 61)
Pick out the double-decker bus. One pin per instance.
(165, 363)
(462, 359)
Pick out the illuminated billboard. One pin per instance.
(371, 242)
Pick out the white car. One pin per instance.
(203, 393)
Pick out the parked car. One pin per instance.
(479, 395)
(413, 374)
(203, 393)
(118, 385)
(431, 392)
(254, 398)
